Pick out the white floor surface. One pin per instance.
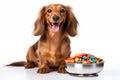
(110, 72)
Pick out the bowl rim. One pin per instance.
(102, 62)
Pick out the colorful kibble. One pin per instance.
(89, 62)
(94, 60)
(92, 57)
(88, 56)
(83, 58)
(84, 62)
(79, 62)
(76, 59)
(72, 60)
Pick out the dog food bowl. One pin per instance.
(84, 69)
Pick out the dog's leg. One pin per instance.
(31, 59)
(61, 68)
(43, 66)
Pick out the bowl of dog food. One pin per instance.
(84, 64)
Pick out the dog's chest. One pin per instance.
(51, 51)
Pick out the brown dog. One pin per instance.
(54, 23)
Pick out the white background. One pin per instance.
(99, 27)
(99, 34)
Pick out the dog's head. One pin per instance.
(56, 17)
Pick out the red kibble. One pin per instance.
(89, 62)
(88, 56)
(83, 54)
(72, 60)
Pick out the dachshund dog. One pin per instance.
(54, 25)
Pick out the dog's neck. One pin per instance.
(51, 34)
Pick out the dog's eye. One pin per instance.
(49, 10)
(62, 10)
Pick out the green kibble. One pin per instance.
(94, 60)
(79, 62)
(84, 57)
(92, 57)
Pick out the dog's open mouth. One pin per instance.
(56, 26)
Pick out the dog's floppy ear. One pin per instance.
(72, 22)
(39, 25)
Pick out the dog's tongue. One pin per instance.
(55, 27)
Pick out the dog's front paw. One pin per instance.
(43, 70)
(62, 70)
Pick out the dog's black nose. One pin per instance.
(55, 18)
